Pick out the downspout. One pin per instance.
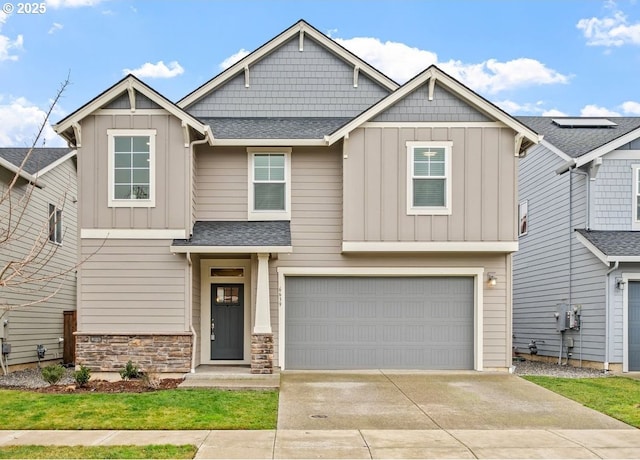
(606, 316)
(193, 329)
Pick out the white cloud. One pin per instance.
(233, 59)
(612, 30)
(593, 110)
(397, 60)
(553, 113)
(515, 107)
(55, 27)
(631, 108)
(20, 121)
(157, 70)
(7, 45)
(72, 3)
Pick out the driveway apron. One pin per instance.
(396, 400)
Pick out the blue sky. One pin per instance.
(530, 57)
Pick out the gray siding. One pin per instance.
(132, 286)
(42, 323)
(291, 83)
(444, 107)
(613, 195)
(483, 186)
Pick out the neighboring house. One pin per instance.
(580, 250)
(37, 223)
(300, 210)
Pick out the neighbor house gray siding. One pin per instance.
(612, 201)
(41, 323)
(444, 107)
(293, 83)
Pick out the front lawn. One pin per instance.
(618, 397)
(153, 451)
(196, 409)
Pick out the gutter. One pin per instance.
(571, 164)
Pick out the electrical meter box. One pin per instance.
(567, 317)
(6, 348)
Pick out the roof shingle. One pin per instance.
(40, 157)
(614, 243)
(239, 233)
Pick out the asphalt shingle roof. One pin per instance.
(273, 128)
(614, 243)
(576, 142)
(239, 233)
(39, 158)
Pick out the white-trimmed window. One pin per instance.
(523, 217)
(132, 167)
(635, 221)
(55, 224)
(269, 184)
(429, 177)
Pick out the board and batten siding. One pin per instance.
(483, 186)
(132, 286)
(42, 323)
(171, 178)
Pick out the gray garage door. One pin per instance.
(634, 326)
(374, 322)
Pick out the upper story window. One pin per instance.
(429, 178)
(131, 167)
(523, 218)
(635, 222)
(55, 224)
(269, 184)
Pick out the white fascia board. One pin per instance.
(609, 147)
(433, 124)
(381, 271)
(274, 43)
(230, 249)
(556, 150)
(269, 142)
(133, 234)
(591, 247)
(431, 246)
(121, 87)
(21, 172)
(56, 163)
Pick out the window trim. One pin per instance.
(525, 204)
(635, 200)
(253, 214)
(129, 203)
(55, 216)
(429, 210)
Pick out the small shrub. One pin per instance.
(82, 375)
(130, 371)
(52, 373)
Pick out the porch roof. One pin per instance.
(236, 236)
(612, 246)
(274, 128)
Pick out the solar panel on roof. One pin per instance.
(584, 122)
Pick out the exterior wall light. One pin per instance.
(492, 279)
(620, 283)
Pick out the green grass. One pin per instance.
(153, 451)
(162, 410)
(617, 397)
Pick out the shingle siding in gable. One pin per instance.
(444, 107)
(613, 195)
(122, 102)
(291, 83)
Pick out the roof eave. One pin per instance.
(20, 172)
(608, 147)
(184, 249)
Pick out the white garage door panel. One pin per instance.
(375, 322)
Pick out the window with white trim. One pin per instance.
(131, 167)
(55, 224)
(523, 217)
(269, 184)
(635, 221)
(429, 178)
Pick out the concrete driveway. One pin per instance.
(396, 400)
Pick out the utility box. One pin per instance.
(567, 317)
(6, 348)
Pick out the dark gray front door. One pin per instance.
(634, 325)
(227, 320)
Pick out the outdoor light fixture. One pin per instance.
(620, 282)
(492, 279)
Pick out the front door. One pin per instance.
(227, 321)
(634, 325)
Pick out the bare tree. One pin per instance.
(26, 277)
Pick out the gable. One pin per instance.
(445, 106)
(124, 102)
(292, 83)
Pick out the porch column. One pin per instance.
(262, 337)
(263, 307)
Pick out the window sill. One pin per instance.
(269, 215)
(132, 204)
(429, 211)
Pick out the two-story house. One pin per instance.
(300, 210)
(38, 255)
(577, 273)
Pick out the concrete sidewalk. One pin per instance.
(364, 444)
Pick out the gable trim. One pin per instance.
(608, 147)
(294, 31)
(56, 163)
(16, 170)
(449, 83)
(556, 150)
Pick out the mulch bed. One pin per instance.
(103, 386)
